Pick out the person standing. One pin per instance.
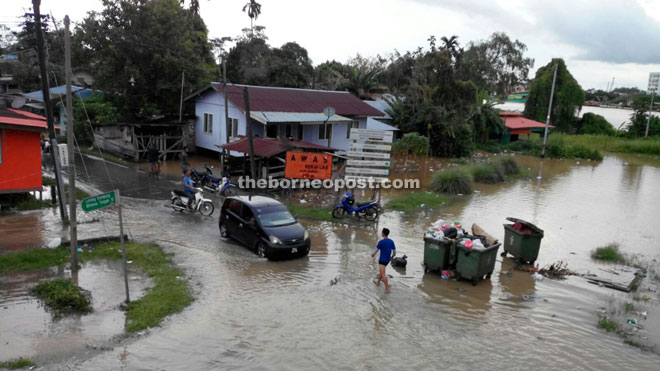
(152, 156)
(387, 253)
(184, 160)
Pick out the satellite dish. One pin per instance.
(329, 112)
(18, 102)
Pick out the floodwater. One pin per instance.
(615, 116)
(252, 314)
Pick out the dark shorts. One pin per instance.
(383, 263)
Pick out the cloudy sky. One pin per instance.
(598, 39)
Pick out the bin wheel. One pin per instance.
(488, 275)
(503, 254)
(458, 277)
(426, 268)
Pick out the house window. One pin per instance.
(208, 123)
(353, 125)
(233, 127)
(324, 131)
(288, 130)
(271, 131)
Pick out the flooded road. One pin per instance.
(252, 314)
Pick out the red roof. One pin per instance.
(510, 113)
(518, 122)
(272, 99)
(268, 147)
(9, 116)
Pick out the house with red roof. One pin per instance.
(20, 150)
(517, 125)
(279, 113)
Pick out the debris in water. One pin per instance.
(538, 277)
(558, 271)
(54, 242)
(303, 201)
(334, 281)
(632, 320)
(646, 297)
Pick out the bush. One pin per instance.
(525, 146)
(411, 144)
(488, 173)
(591, 123)
(63, 295)
(17, 363)
(608, 253)
(454, 181)
(509, 165)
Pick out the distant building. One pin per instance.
(20, 150)
(58, 97)
(517, 125)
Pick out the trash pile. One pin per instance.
(441, 231)
(556, 271)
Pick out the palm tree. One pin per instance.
(450, 44)
(485, 119)
(253, 10)
(360, 81)
(194, 5)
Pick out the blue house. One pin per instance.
(283, 113)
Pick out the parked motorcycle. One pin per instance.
(213, 184)
(368, 209)
(203, 205)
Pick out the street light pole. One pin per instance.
(73, 227)
(547, 119)
(648, 119)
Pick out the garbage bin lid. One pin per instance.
(526, 224)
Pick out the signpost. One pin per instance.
(375, 147)
(105, 200)
(304, 165)
(654, 82)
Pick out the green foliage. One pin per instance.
(33, 259)
(495, 171)
(17, 363)
(496, 65)
(453, 181)
(290, 67)
(62, 295)
(647, 146)
(607, 325)
(22, 201)
(610, 253)
(99, 110)
(310, 212)
(509, 165)
(638, 121)
(556, 148)
(591, 123)
(152, 42)
(411, 144)
(485, 119)
(412, 201)
(568, 98)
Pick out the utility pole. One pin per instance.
(246, 97)
(73, 228)
(225, 154)
(183, 76)
(49, 112)
(547, 119)
(648, 119)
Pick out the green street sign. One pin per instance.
(98, 202)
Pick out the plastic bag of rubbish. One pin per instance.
(538, 277)
(54, 242)
(438, 223)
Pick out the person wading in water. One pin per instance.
(387, 253)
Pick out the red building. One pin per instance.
(20, 150)
(516, 125)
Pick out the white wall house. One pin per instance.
(279, 113)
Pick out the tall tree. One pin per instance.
(253, 10)
(152, 42)
(567, 101)
(289, 66)
(485, 119)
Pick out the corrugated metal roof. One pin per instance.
(374, 124)
(60, 90)
(301, 117)
(19, 118)
(273, 99)
(519, 122)
(380, 105)
(268, 147)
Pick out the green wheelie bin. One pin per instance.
(523, 243)
(475, 263)
(437, 253)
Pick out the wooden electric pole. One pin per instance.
(49, 111)
(73, 228)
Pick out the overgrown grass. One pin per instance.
(170, 293)
(557, 147)
(311, 212)
(644, 146)
(413, 200)
(607, 325)
(33, 259)
(80, 194)
(17, 363)
(32, 203)
(62, 295)
(453, 181)
(610, 253)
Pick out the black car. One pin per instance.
(264, 225)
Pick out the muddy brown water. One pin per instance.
(254, 314)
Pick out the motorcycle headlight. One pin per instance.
(274, 240)
(306, 236)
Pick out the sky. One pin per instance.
(599, 40)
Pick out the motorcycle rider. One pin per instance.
(188, 188)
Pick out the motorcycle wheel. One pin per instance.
(230, 191)
(338, 212)
(175, 203)
(371, 213)
(206, 208)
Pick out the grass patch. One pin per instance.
(80, 194)
(633, 343)
(170, 293)
(452, 181)
(62, 295)
(310, 212)
(17, 363)
(559, 146)
(607, 325)
(643, 146)
(33, 259)
(22, 202)
(412, 201)
(488, 173)
(608, 253)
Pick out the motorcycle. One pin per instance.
(203, 205)
(368, 209)
(214, 184)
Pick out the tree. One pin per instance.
(591, 123)
(450, 45)
(253, 10)
(485, 119)
(152, 42)
(327, 75)
(97, 110)
(496, 65)
(247, 60)
(289, 66)
(567, 101)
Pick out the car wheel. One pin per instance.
(261, 250)
(223, 231)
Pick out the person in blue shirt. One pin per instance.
(188, 188)
(387, 253)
